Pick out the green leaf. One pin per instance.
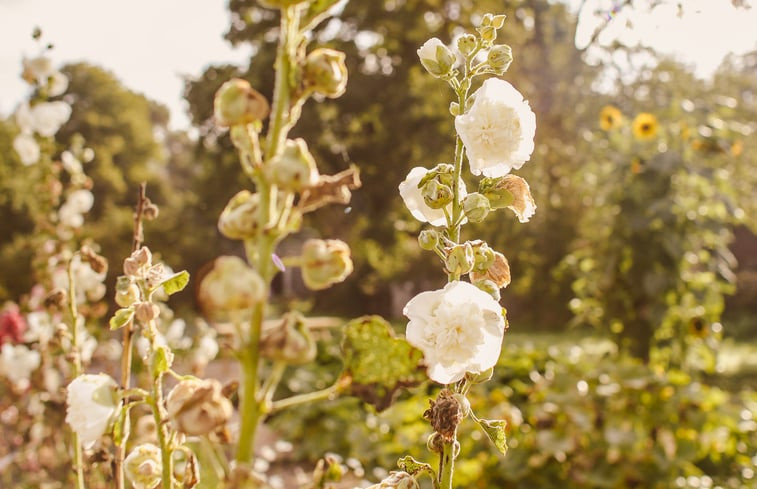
(495, 430)
(176, 282)
(121, 318)
(162, 359)
(414, 467)
(378, 363)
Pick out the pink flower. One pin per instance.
(12, 326)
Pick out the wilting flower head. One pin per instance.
(610, 118)
(197, 406)
(415, 203)
(231, 286)
(143, 466)
(236, 102)
(27, 148)
(523, 204)
(325, 262)
(459, 329)
(498, 130)
(325, 72)
(91, 405)
(498, 271)
(644, 126)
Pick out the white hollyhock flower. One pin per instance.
(57, 84)
(17, 362)
(27, 149)
(498, 130)
(38, 68)
(91, 405)
(459, 329)
(414, 202)
(47, 117)
(24, 119)
(81, 200)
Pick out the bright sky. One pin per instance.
(149, 44)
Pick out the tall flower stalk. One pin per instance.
(460, 328)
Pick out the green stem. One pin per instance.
(249, 408)
(446, 465)
(156, 401)
(321, 395)
(457, 207)
(271, 383)
(73, 316)
(282, 90)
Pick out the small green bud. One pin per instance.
(476, 207)
(436, 58)
(325, 72)
(143, 466)
(500, 57)
(488, 34)
(466, 44)
(454, 108)
(239, 220)
(489, 287)
(496, 191)
(127, 292)
(236, 103)
(428, 239)
(230, 286)
(436, 195)
(497, 21)
(460, 259)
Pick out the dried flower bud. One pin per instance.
(460, 259)
(56, 298)
(290, 342)
(230, 286)
(509, 191)
(397, 480)
(325, 262)
(197, 407)
(500, 57)
(294, 168)
(146, 312)
(151, 211)
(498, 272)
(325, 72)
(237, 103)
(96, 262)
(444, 413)
(239, 220)
(476, 207)
(143, 466)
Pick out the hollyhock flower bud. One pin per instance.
(498, 272)
(239, 220)
(466, 44)
(92, 404)
(499, 58)
(197, 407)
(489, 287)
(146, 312)
(510, 191)
(498, 130)
(428, 239)
(236, 103)
(231, 286)
(436, 57)
(460, 259)
(325, 72)
(325, 262)
(294, 168)
(290, 342)
(27, 148)
(476, 207)
(459, 329)
(397, 480)
(484, 256)
(436, 195)
(143, 467)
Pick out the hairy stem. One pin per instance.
(76, 363)
(446, 465)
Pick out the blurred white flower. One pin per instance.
(89, 284)
(69, 217)
(39, 68)
(24, 119)
(459, 329)
(498, 130)
(70, 162)
(207, 349)
(17, 362)
(57, 84)
(175, 335)
(91, 406)
(81, 200)
(47, 117)
(27, 148)
(414, 202)
(40, 327)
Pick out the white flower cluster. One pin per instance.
(17, 362)
(79, 202)
(43, 118)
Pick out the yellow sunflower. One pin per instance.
(644, 126)
(610, 118)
